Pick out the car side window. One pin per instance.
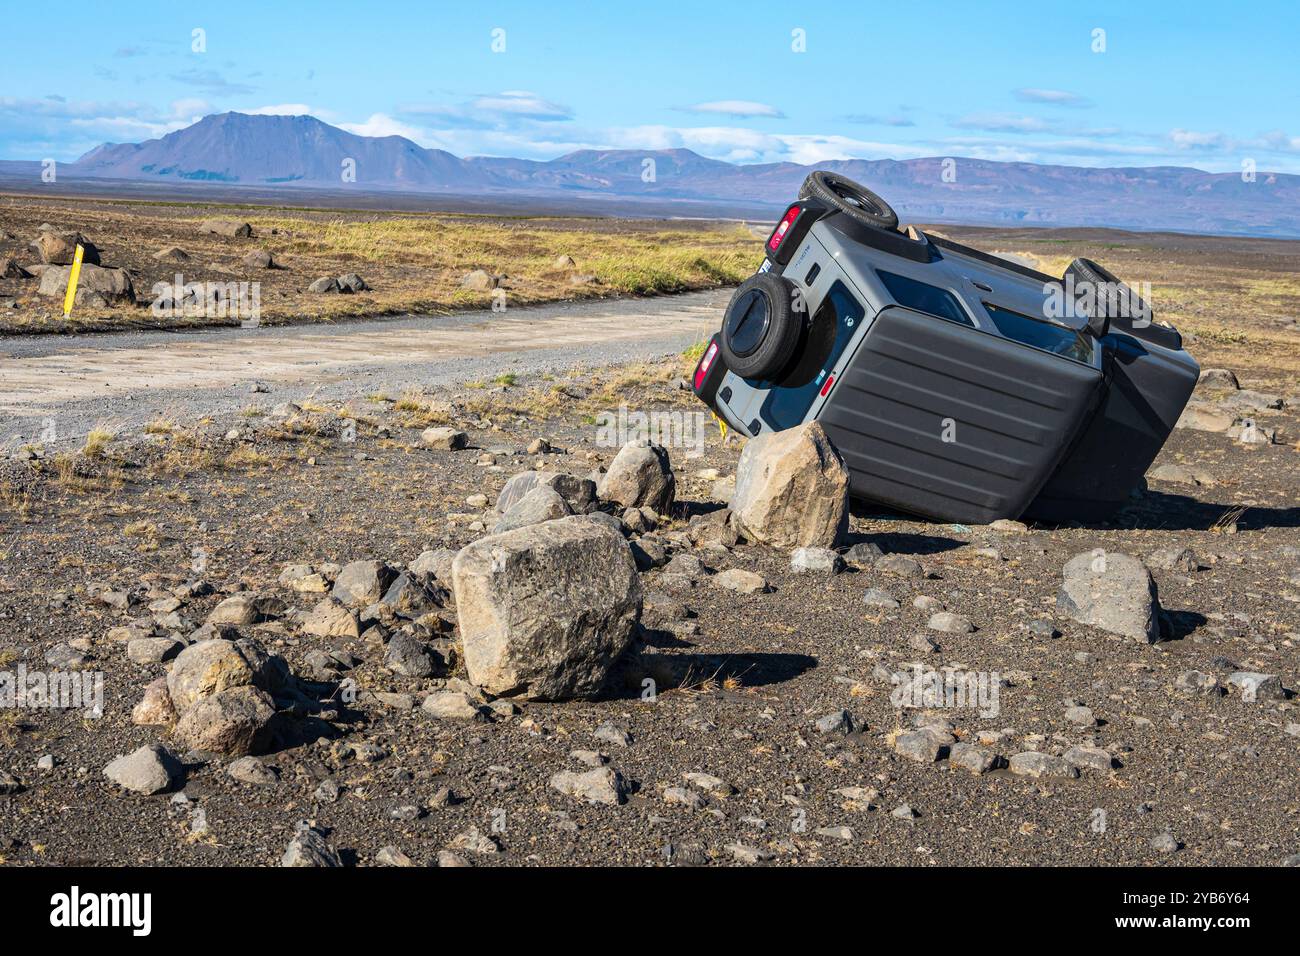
(924, 298)
(1042, 335)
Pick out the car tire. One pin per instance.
(855, 201)
(761, 329)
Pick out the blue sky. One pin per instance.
(1193, 83)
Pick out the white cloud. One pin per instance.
(380, 124)
(284, 109)
(1053, 97)
(1003, 123)
(740, 109)
(521, 103)
(1191, 139)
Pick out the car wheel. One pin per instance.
(761, 328)
(854, 201)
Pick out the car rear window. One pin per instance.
(924, 298)
(1042, 335)
(836, 320)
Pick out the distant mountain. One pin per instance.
(286, 151)
(264, 150)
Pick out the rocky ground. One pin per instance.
(297, 668)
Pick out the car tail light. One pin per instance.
(830, 380)
(783, 227)
(702, 370)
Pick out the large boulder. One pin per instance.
(580, 493)
(230, 228)
(362, 583)
(235, 722)
(112, 285)
(640, 476)
(1113, 592)
(545, 611)
(60, 248)
(209, 667)
(792, 489)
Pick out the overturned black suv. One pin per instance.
(956, 385)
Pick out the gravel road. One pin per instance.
(129, 379)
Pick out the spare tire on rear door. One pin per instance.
(761, 329)
(855, 201)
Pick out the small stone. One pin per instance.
(601, 785)
(252, 771)
(1080, 716)
(1088, 757)
(451, 705)
(899, 565)
(309, 848)
(448, 439)
(612, 734)
(1166, 843)
(877, 597)
(816, 561)
(149, 770)
(838, 722)
(1255, 686)
(682, 797)
(950, 623)
(743, 853)
(1031, 763)
(969, 757)
(737, 579)
(925, 745)
(392, 856)
(835, 833)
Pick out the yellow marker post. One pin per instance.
(722, 426)
(73, 276)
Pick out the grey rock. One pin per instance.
(640, 475)
(451, 705)
(1166, 843)
(899, 565)
(878, 597)
(309, 848)
(837, 722)
(1113, 592)
(601, 785)
(1031, 763)
(362, 583)
(924, 745)
(580, 493)
(540, 504)
(816, 561)
(791, 489)
(234, 722)
(1088, 757)
(976, 760)
(149, 770)
(546, 611)
(1255, 686)
(252, 771)
(950, 623)
(410, 657)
